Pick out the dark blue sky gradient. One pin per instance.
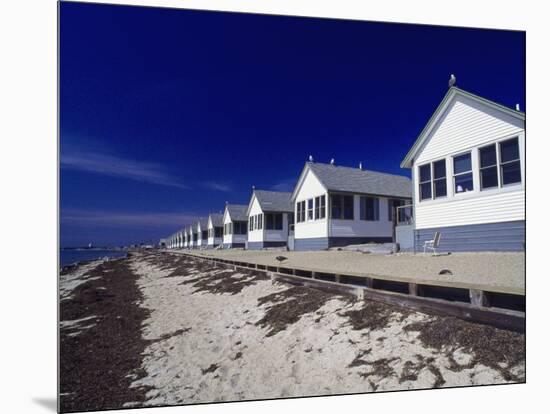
(165, 114)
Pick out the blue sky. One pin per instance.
(165, 114)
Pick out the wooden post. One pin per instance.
(368, 282)
(313, 274)
(337, 278)
(413, 289)
(478, 298)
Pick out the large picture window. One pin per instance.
(510, 167)
(488, 170)
(433, 180)
(462, 170)
(218, 232)
(341, 207)
(369, 208)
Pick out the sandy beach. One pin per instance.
(176, 330)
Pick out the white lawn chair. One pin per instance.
(433, 244)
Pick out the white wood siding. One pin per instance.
(464, 127)
(311, 187)
(255, 235)
(465, 124)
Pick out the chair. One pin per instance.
(433, 244)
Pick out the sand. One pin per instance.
(220, 335)
(496, 271)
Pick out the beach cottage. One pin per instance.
(190, 237)
(202, 233)
(269, 215)
(339, 206)
(215, 230)
(234, 225)
(468, 175)
(184, 231)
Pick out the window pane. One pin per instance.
(348, 207)
(278, 221)
(439, 169)
(509, 150)
(464, 183)
(488, 177)
(426, 190)
(363, 208)
(425, 173)
(487, 156)
(440, 187)
(462, 163)
(511, 173)
(335, 201)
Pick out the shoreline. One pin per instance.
(188, 332)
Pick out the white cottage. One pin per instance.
(202, 233)
(215, 230)
(234, 225)
(338, 206)
(190, 238)
(468, 173)
(184, 233)
(269, 215)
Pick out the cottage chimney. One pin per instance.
(517, 107)
(310, 158)
(360, 165)
(332, 161)
(253, 187)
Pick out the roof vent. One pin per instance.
(310, 158)
(332, 161)
(452, 81)
(517, 107)
(360, 165)
(253, 187)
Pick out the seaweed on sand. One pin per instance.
(495, 348)
(224, 281)
(98, 365)
(290, 305)
(373, 315)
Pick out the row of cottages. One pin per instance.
(468, 183)
(468, 174)
(338, 206)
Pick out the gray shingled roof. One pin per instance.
(354, 180)
(237, 212)
(274, 200)
(204, 223)
(217, 219)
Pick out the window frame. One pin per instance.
(471, 172)
(516, 160)
(495, 166)
(420, 183)
(310, 209)
(342, 206)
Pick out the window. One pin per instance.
(251, 223)
(488, 171)
(290, 218)
(210, 233)
(269, 221)
(278, 221)
(260, 221)
(341, 206)
(392, 208)
(440, 179)
(310, 209)
(218, 232)
(510, 168)
(336, 206)
(301, 211)
(369, 208)
(239, 227)
(462, 169)
(204, 234)
(320, 208)
(425, 174)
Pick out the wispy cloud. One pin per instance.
(106, 219)
(284, 185)
(217, 186)
(105, 164)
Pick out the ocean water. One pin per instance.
(72, 256)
